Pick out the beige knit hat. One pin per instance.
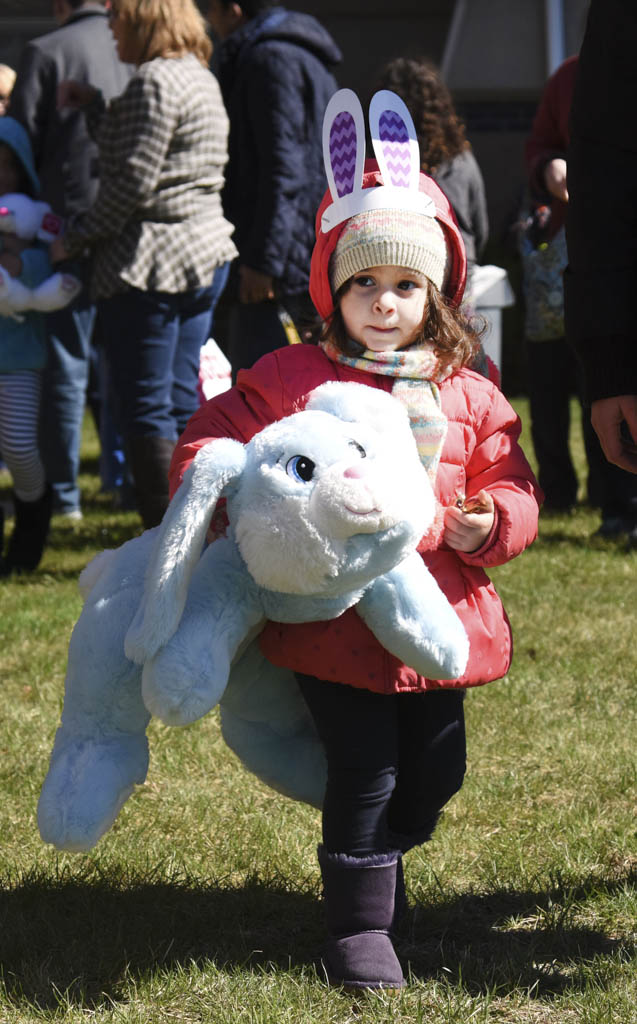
(393, 238)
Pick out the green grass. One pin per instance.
(201, 904)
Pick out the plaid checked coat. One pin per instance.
(157, 223)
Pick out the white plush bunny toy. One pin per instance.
(326, 509)
(29, 219)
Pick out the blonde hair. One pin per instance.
(165, 28)
(7, 78)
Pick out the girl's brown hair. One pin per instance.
(441, 134)
(455, 338)
(165, 28)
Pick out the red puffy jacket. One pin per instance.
(481, 450)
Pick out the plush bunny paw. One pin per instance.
(55, 293)
(88, 782)
(179, 691)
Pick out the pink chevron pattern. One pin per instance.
(395, 142)
(343, 152)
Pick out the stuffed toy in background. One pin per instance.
(29, 220)
(326, 509)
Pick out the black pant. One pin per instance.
(553, 376)
(393, 762)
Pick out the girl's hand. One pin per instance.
(74, 94)
(467, 525)
(11, 263)
(58, 250)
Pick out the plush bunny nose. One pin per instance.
(356, 472)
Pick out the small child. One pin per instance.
(388, 282)
(22, 358)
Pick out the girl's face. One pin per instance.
(384, 307)
(10, 173)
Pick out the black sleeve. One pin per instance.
(600, 282)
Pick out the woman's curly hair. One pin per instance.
(441, 134)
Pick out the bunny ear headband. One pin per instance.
(396, 150)
(392, 181)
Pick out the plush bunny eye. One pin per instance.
(299, 467)
(359, 448)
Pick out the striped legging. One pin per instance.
(19, 414)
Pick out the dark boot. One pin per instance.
(359, 894)
(30, 531)
(149, 462)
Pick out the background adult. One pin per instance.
(66, 162)
(275, 73)
(602, 226)
(156, 228)
(445, 152)
(553, 369)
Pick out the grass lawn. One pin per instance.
(202, 903)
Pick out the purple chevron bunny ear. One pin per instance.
(343, 152)
(394, 140)
(396, 150)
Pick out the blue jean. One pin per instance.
(152, 342)
(393, 762)
(64, 384)
(219, 282)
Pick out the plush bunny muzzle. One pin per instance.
(356, 498)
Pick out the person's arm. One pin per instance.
(134, 139)
(545, 149)
(479, 215)
(33, 99)
(80, 96)
(498, 467)
(277, 123)
(612, 418)
(601, 226)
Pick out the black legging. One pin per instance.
(393, 762)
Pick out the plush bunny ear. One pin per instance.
(179, 544)
(343, 155)
(394, 140)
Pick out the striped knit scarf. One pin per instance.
(416, 372)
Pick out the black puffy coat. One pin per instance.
(276, 81)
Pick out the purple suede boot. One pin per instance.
(359, 895)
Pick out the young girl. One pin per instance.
(22, 357)
(387, 283)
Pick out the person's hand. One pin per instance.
(58, 250)
(74, 95)
(254, 286)
(607, 415)
(468, 524)
(11, 263)
(555, 178)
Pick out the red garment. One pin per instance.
(550, 133)
(480, 451)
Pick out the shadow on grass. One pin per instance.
(84, 936)
(508, 939)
